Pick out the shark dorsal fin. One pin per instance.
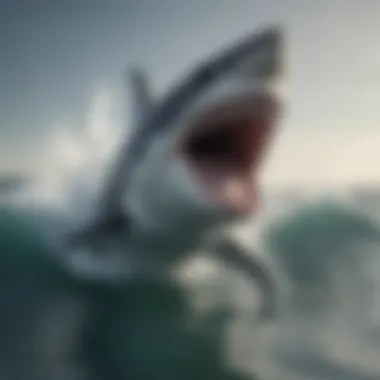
(141, 94)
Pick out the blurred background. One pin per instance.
(63, 107)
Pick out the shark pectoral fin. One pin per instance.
(142, 98)
(255, 268)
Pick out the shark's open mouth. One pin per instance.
(225, 147)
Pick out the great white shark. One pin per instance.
(188, 170)
(190, 167)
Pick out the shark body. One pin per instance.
(190, 168)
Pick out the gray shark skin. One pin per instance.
(157, 206)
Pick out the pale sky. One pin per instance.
(59, 57)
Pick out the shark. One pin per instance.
(189, 169)
(81, 294)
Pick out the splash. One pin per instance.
(75, 158)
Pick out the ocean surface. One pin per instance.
(340, 342)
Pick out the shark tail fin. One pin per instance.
(141, 94)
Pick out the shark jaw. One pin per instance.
(224, 147)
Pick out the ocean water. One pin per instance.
(340, 341)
